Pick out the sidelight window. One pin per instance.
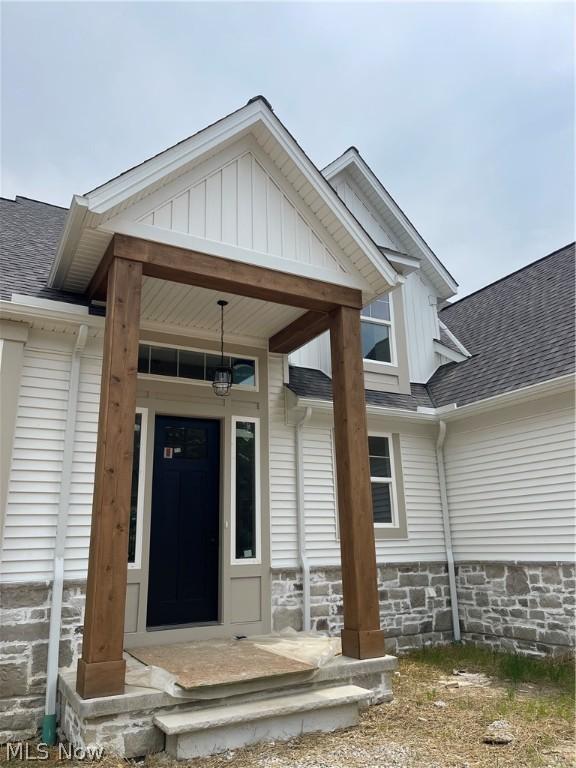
(137, 492)
(245, 528)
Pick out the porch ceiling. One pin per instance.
(179, 306)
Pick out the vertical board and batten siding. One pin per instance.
(240, 204)
(422, 327)
(367, 217)
(511, 486)
(316, 354)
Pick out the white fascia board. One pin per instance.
(57, 311)
(453, 338)
(451, 411)
(372, 410)
(402, 262)
(449, 354)
(352, 158)
(68, 241)
(557, 385)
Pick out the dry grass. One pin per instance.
(537, 700)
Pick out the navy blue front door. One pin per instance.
(184, 533)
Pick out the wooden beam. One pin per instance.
(299, 332)
(180, 265)
(98, 284)
(362, 637)
(101, 668)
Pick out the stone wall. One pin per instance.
(24, 626)
(520, 607)
(414, 603)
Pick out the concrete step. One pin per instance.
(197, 733)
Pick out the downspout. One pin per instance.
(301, 516)
(447, 530)
(49, 721)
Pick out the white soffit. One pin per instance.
(352, 164)
(95, 216)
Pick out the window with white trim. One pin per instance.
(137, 490)
(382, 480)
(245, 527)
(376, 319)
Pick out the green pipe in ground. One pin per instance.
(49, 730)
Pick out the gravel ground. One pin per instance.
(437, 720)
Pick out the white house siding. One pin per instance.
(315, 354)
(34, 486)
(369, 219)
(282, 461)
(421, 327)
(425, 540)
(510, 483)
(241, 204)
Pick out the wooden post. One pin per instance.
(101, 668)
(362, 637)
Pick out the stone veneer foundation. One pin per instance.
(24, 625)
(519, 607)
(414, 603)
(524, 608)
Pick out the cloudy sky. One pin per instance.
(464, 110)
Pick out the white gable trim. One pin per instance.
(256, 117)
(352, 158)
(133, 221)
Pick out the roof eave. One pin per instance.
(68, 241)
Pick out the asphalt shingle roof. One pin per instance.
(29, 236)
(309, 382)
(519, 331)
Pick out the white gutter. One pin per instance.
(49, 724)
(447, 530)
(301, 516)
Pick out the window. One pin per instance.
(137, 491)
(193, 364)
(377, 331)
(245, 490)
(381, 478)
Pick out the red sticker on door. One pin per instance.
(168, 453)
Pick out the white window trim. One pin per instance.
(391, 324)
(198, 382)
(257, 560)
(137, 564)
(388, 480)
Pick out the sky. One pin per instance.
(465, 111)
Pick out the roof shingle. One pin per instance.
(519, 331)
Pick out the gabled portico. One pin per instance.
(238, 212)
(101, 669)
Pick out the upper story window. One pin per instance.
(377, 331)
(194, 364)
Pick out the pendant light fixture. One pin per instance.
(222, 383)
